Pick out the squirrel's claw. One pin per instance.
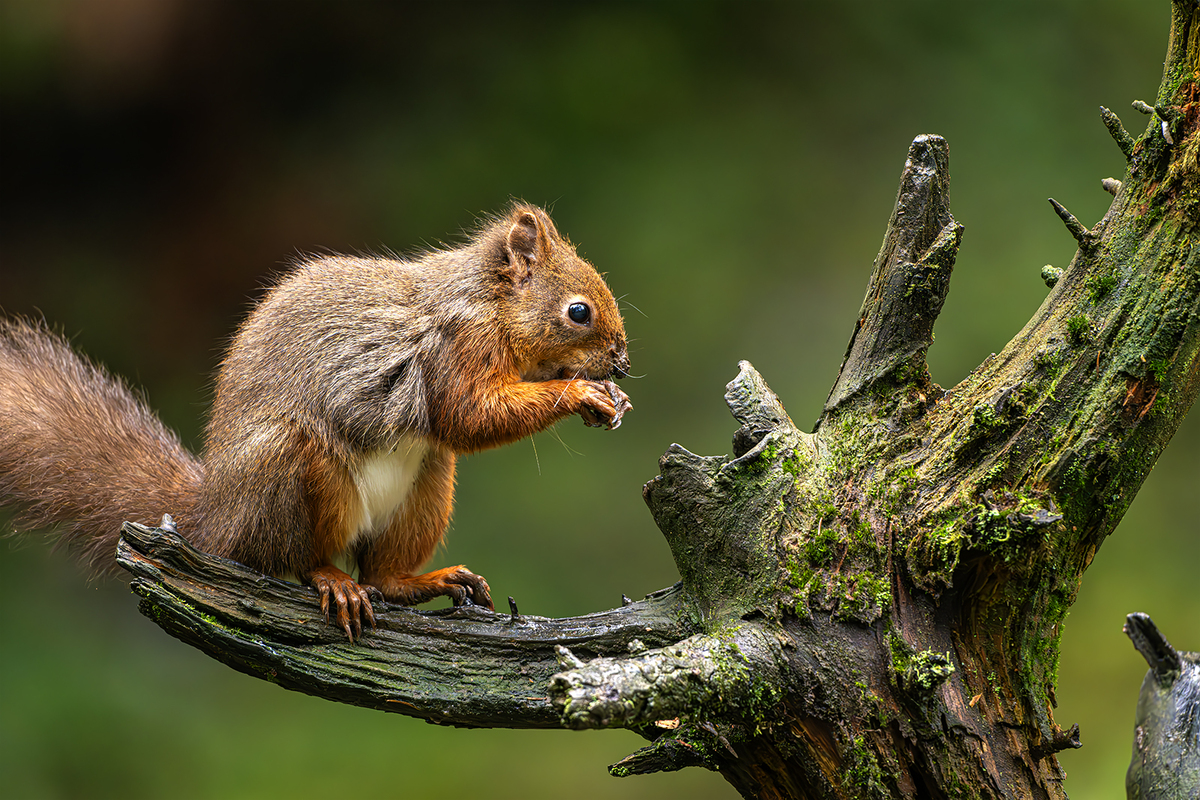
(352, 600)
(477, 590)
(611, 406)
(620, 402)
(465, 588)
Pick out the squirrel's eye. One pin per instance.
(579, 312)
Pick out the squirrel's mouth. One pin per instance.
(575, 373)
(615, 367)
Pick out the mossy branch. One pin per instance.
(723, 675)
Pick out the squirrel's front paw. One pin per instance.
(604, 405)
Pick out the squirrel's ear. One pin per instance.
(522, 246)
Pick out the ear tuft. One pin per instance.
(522, 246)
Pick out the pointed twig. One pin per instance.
(688, 746)
(1059, 741)
(1081, 234)
(1118, 132)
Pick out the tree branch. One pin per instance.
(717, 673)
(464, 666)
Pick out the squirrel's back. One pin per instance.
(79, 449)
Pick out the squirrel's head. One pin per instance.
(562, 320)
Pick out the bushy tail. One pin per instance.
(79, 450)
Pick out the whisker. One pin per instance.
(564, 391)
(570, 450)
(635, 308)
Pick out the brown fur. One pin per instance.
(78, 449)
(345, 359)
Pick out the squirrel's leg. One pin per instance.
(328, 494)
(390, 561)
(513, 409)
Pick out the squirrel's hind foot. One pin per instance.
(463, 587)
(352, 599)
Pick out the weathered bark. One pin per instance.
(869, 610)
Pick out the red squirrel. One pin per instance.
(339, 410)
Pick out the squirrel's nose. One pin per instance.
(620, 362)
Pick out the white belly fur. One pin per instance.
(384, 480)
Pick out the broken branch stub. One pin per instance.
(910, 280)
(723, 529)
(1166, 744)
(715, 676)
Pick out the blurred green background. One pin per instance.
(731, 166)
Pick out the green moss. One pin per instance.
(933, 554)
(764, 459)
(1000, 413)
(851, 445)
(1099, 286)
(801, 575)
(929, 669)
(1079, 329)
(874, 591)
(821, 548)
(1158, 368)
(874, 710)
(1004, 529)
(1049, 359)
(861, 542)
(918, 674)
(760, 697)
(796, 464)
(862, 773)
(993, 473)
(901, 487)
